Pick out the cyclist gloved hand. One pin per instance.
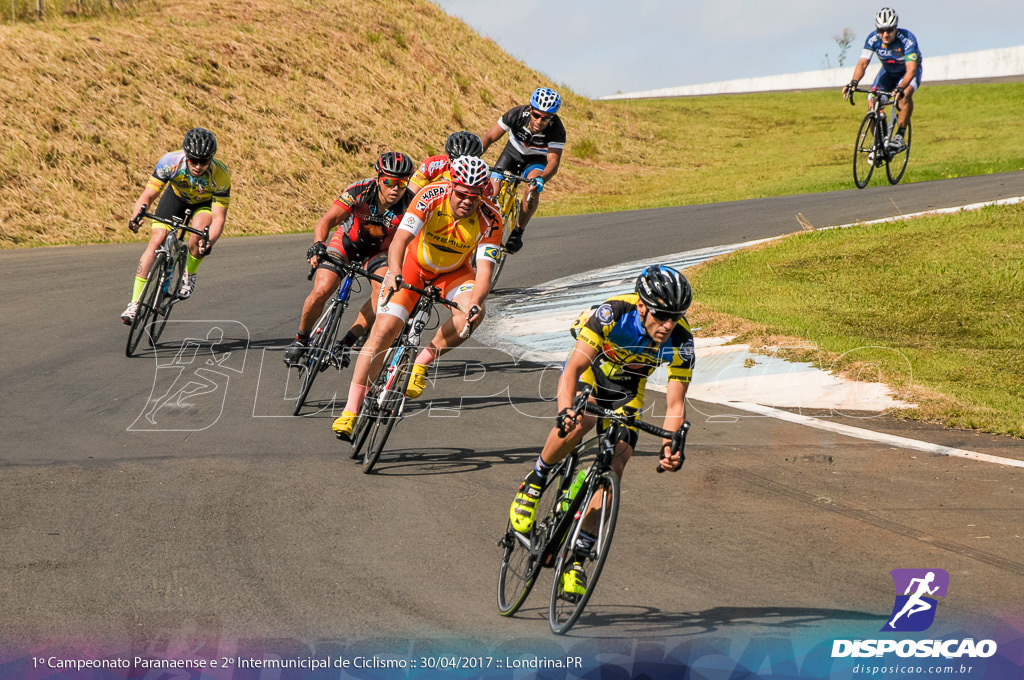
(898, 92)
(538, 183)
(666, 454)
(317, 250)
(566, 421)
(204, 248)
(514, 243)
(848, 90)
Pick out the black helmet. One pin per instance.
(199, 145)
(664, 289)
(394, 163)
(463, 143)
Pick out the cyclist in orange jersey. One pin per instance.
(435, 168)
(435, 242)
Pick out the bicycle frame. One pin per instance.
(321, 351)
(550, 542)
(163, 280)
(882, 130)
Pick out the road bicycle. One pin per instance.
(324, 351)
(560, 513)
(163, 282)
(509, 205)
(384, 404)
(874, 140)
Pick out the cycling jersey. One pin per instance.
(626, 355)
(530, 147)
(443, 243)
(431, 170)
(214, 184)
(895, 54)
(371, 229)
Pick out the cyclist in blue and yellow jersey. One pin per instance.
(437, 168)
(618, 345)
(368, 213)
(902, 68)
(536, 138)
(200, 183)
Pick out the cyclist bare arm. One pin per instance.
(858, 73)
(675, 397)
(330, 220)
(492, 135)
(396, 257)
(146, 198)
(220, 214)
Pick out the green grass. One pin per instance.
(724, 148)
(933, 306)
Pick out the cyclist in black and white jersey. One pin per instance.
(536, 138)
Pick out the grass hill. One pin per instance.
(304, 95)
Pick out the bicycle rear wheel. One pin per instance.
(168, 296)
(320, 352)
(520, 564)
(864, 152)
(397, 376)
(897, 164)
(565, 609)
(148, 301)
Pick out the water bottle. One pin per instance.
(167, 280)
(574, 489)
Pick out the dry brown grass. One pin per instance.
(302, 96)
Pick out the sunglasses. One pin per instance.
(540, 116)
(887, 30)
(662, 315)
(466, 195)
(198, 161)
(399, 182)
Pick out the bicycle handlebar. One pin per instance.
(884, 93)
(433, 293)
(350, 267)
(182, 223)
(582, 404)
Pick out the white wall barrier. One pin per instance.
(994, 63)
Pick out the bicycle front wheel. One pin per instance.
(396, 375)
(521, 554)
(864, 152)
(897, 164)
(319, 354)
(565, 607)
(167, 297)
(147, 308)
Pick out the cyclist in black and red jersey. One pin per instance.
(536, 138)
(369, 212)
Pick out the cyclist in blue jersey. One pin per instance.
(536, 137)
(902, 68)
(618, 345)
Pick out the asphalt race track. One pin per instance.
(170, 498)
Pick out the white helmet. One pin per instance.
(470, 171)
(886, 18)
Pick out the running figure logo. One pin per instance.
(914, 610)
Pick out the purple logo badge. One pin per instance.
(916, 590)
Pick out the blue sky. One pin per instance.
(600, 47)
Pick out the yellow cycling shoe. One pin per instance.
(343, 425)
(574, 581)
(418, 381)
(524, 506)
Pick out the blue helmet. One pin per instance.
(545, 99)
